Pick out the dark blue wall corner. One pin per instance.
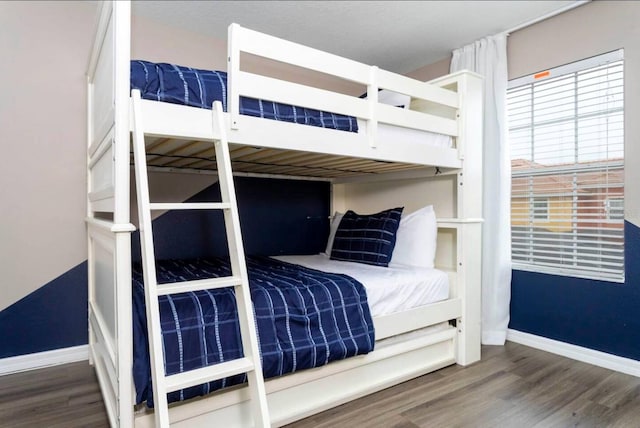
(632, 254)
(594, 314)
(52, 317)
(276, 216)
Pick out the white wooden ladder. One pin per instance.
(250, 363)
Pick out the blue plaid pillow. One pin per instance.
(367, 239)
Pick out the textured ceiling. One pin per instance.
(398, 36)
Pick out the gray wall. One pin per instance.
(44, 49)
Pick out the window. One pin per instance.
(540, 209)
(615, 209)
(566, 133)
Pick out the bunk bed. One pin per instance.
(390, 144)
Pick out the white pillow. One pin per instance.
(416, 239)
(386, 96)
(335, 222)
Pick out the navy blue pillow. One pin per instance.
(367, 239)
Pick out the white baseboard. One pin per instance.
(39, 360)
(586, 355)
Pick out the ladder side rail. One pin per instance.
(246, 317)
(149, 266)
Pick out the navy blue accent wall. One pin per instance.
(277, 217)
(283, 216)
(593, 314)
(52, 317)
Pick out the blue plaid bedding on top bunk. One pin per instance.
(200, 88)
(305, 318)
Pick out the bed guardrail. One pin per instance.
(241, 83)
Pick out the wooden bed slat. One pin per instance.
(321, 166)
(195, 154)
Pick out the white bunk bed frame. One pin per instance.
(298, 395)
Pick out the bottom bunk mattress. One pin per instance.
(389, 289)
(305, 318)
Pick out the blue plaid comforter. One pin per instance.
(305, 318)
(200, 88)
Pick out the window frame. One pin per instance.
(526, 246)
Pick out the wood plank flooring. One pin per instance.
(513, 386)
(60, 396)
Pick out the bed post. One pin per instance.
(233, 71)
(468, 223)
(122, 24)
(109, 232)
(469, 207)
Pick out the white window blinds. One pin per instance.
(566, 132)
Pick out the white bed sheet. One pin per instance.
(389, 289)
(388, 132)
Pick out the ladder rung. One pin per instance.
(208, 374)
(190, 206)
(198, 284)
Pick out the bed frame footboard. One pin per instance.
(110, 329)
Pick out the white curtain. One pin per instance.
(488, 57)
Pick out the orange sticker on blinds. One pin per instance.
(541, 74)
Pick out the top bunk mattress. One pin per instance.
(200, 88)
(389, 289)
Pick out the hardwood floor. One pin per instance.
(513, 386)
(60, 396)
